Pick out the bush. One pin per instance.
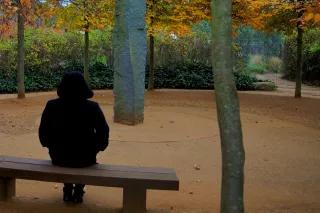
(311, 54)
(184, 76)
(180, 76)
(256, 64)
(50, 54)
(311, 72)
(256, 68)
(195, 76)
(244, 81)
(274, 64)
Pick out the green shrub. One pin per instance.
(179, 76)
(50, 54)
(274, 64)
(311, 55)
(256, 68)
(195, 76)
(256, 59)
(244, 81)
(256, 64)
(184, 76)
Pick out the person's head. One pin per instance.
(73, 86)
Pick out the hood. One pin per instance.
(74, 87)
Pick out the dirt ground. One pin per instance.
(281, 137)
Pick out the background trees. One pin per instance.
(288, 17)
(84, 16)
(23, 9)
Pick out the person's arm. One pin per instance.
(44, 127)
(102, 130)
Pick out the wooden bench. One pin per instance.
(134, 180)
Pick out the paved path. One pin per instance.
(287, 88)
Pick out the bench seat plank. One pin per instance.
(100, 175)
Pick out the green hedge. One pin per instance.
(311, 55)
(50, 54)
(195, 76)
(181, 76)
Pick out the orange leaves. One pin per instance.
(312, 13)
(9, 8)
(284, 15)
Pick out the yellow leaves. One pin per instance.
(86, 14)
(175, 16)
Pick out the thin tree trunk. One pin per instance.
(86, 74)
(151, 63)
(151, 50)
(232, 149)
(299, 58)
(86, 57)
(130, 47)
(20, 59)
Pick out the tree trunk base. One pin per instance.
(128, 121)
(21, 96)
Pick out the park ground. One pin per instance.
(281, 137)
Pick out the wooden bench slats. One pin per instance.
(134, 180)
(102, 175)
(98, 166)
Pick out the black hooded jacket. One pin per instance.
(73, 128)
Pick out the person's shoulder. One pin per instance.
(53, 102)
(92, 104)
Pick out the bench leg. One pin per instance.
(134, 200)
(7, 188)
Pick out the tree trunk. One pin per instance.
(232, 149)
(151, 50)
(86, 74)
(86, 57)
(20, 59)
(130, 45)
(151, 63)
(299, 58)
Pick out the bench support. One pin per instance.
(134, 199)
(7, 188)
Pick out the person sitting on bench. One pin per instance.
(74, 130)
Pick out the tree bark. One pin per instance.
(86, 57)
(86, 74)
(233, 155)
(299, 57)
(21, 54)
(151, 63)
(151, 50)
(129, 43)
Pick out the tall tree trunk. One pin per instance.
(20, 59)
(232, 149)
(86, 57)
(151, 50)
(151, 63)
(130, 47)
(86, 74)
(299, 57)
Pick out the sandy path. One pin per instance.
(287, 88)
(282, 141)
